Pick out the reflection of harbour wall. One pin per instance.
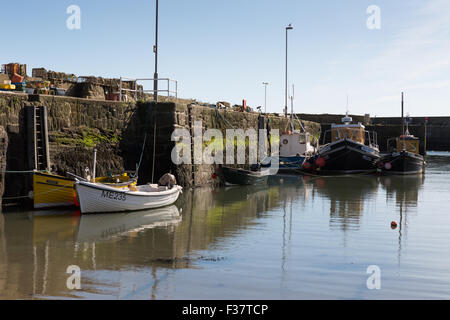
(117, 130)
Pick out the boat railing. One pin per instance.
(325, 136)
(171, 88)
(371, 138)
(389, 146)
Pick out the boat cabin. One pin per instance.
(295, 144)
(352, 131)
(406, 142)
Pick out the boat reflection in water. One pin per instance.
(100, 227)
(347, 195)
(405, 190)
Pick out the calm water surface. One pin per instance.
(298, 238)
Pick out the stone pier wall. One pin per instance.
(117, 130)
(3, 152)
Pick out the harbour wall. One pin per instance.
(117, 130)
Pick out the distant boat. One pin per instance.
(405, 161)
(295, 146)
(52, 190)
(237, 176)
(404, 156)
(352, 150)
(98, 198)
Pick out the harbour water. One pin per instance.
(298, 238)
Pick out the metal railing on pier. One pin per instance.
(171, 90)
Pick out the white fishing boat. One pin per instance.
(98, 198)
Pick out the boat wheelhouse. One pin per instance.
(295, 147)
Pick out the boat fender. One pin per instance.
(320, 162)
(388, 166)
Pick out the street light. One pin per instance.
(265, 96)
(155, 50)
(289, 27)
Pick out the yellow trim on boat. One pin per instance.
(51, 190)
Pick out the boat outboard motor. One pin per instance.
(167, 180)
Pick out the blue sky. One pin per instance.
(224, 50)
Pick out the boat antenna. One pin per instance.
(403, 125)
(407, 124)
(347, 119)
(292, 109)
(347, 106)
(403, 122)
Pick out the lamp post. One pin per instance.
(155, 50)
(289, 27)
(265, 96)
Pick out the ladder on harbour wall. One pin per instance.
(37, 131)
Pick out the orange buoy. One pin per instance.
(394, 225)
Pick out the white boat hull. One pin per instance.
(97, 198)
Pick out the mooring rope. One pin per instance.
(12, 171)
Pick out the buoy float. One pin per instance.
(214, 176)
(388, 166)
(394, 225)
(320, 162)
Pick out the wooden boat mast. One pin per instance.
(403, 122)
(403, 126)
